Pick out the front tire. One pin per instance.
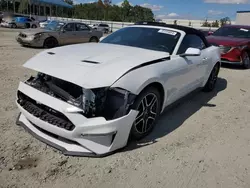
(14, 26)
(245, 60)
(93, 39)
(50, 43)
(148, 103)
(211, 82)
(33, 26)
(27, 25)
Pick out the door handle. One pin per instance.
(204, 59)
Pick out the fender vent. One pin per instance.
(93, 62)
(51, 53)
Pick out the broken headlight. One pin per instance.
(109, 103)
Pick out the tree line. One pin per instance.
(217, 23)
(100, 10)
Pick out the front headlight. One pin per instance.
(242, 47)
(110, 103)
(225, 49)
(38, 35)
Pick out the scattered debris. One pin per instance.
(109, 170)
(243, 90)
(61, 163)
(25, 163)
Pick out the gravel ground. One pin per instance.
(202, 142)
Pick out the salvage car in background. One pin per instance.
(206, 32)
(101, 27)
(234, 43)
(25, 22)
(44, 23)
(58, 33)
(88, 99)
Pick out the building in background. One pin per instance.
(35, 8)
(243, 18)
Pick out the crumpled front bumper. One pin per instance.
(29, 41)
(95, 137)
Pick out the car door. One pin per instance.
(196, 64)
(187, 72)
(68, 34)
(83, 32)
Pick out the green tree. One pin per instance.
(206, 24)
(224, 21)
(126, 9)
(23, 6)
(69, 2)
(215, 24)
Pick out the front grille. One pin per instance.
(22, 35)
(44, 113)
(224, 49)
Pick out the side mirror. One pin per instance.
(191, 52)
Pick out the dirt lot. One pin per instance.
(203, 142)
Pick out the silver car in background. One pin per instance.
(58, 33)
(101, 27)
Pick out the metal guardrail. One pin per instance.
(115, 25)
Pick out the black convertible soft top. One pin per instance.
(187, 30)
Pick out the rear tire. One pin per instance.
(13, 26)
(211, 82)
(26, 26)
(93, 39)
(148, 103)
(245, 60)
(50, 43)
(33, 26)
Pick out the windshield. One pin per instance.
(148, 38)
(54, 26)
(238, 32)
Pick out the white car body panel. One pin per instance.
(113, 66)
(68, 59)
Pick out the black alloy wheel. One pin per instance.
(211, 82)
(149, 105)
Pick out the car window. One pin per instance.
(238, 32)
(148, 38)
(81, 27)
(103, 25)
(69, 27)
(191, 41)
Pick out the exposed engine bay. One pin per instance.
(106, 102)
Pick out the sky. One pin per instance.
(190, 9)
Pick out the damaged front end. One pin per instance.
(110, 103)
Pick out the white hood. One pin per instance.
(112, 61)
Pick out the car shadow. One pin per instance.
(175, 115)
(232, 66)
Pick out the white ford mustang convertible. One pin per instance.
(90, 99)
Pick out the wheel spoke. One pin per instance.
(152, 115)
(153, 100)
(144, 129)
(140, 120)
(140, 116)
(144, 103)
